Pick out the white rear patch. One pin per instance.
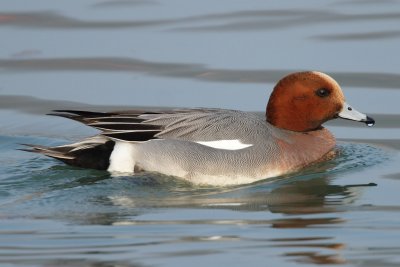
(225, 144)
(121, 159)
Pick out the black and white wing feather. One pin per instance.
(195, 125)
(184, 124)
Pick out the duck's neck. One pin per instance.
(306, 148)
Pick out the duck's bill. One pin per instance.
(350, 113)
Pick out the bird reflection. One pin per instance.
(316, 258)
(309, 192)
(309, 199)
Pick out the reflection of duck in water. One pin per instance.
(216, 146)
(311, 202)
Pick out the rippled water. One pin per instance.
(58, 215)
(119, 54)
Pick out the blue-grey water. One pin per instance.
(120, 54)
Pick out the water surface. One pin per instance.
(120, 54)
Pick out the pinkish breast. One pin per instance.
(301, 149)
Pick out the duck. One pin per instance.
(212, 146)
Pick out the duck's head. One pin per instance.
(303, 101)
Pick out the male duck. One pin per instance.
(215, 146)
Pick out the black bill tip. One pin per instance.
(370, 121)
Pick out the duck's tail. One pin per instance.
(93, 153)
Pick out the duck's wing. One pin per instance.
(201, 126)
(183, 124)
(123, 125)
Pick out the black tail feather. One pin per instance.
(92, 157)
(83, 113)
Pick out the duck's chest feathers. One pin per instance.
(301, 149)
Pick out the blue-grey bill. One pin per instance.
(349, 113)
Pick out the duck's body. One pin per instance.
(214, 146)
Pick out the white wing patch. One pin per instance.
(225, 144)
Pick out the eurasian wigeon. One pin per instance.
(215, 146)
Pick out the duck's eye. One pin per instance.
(322, 92)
